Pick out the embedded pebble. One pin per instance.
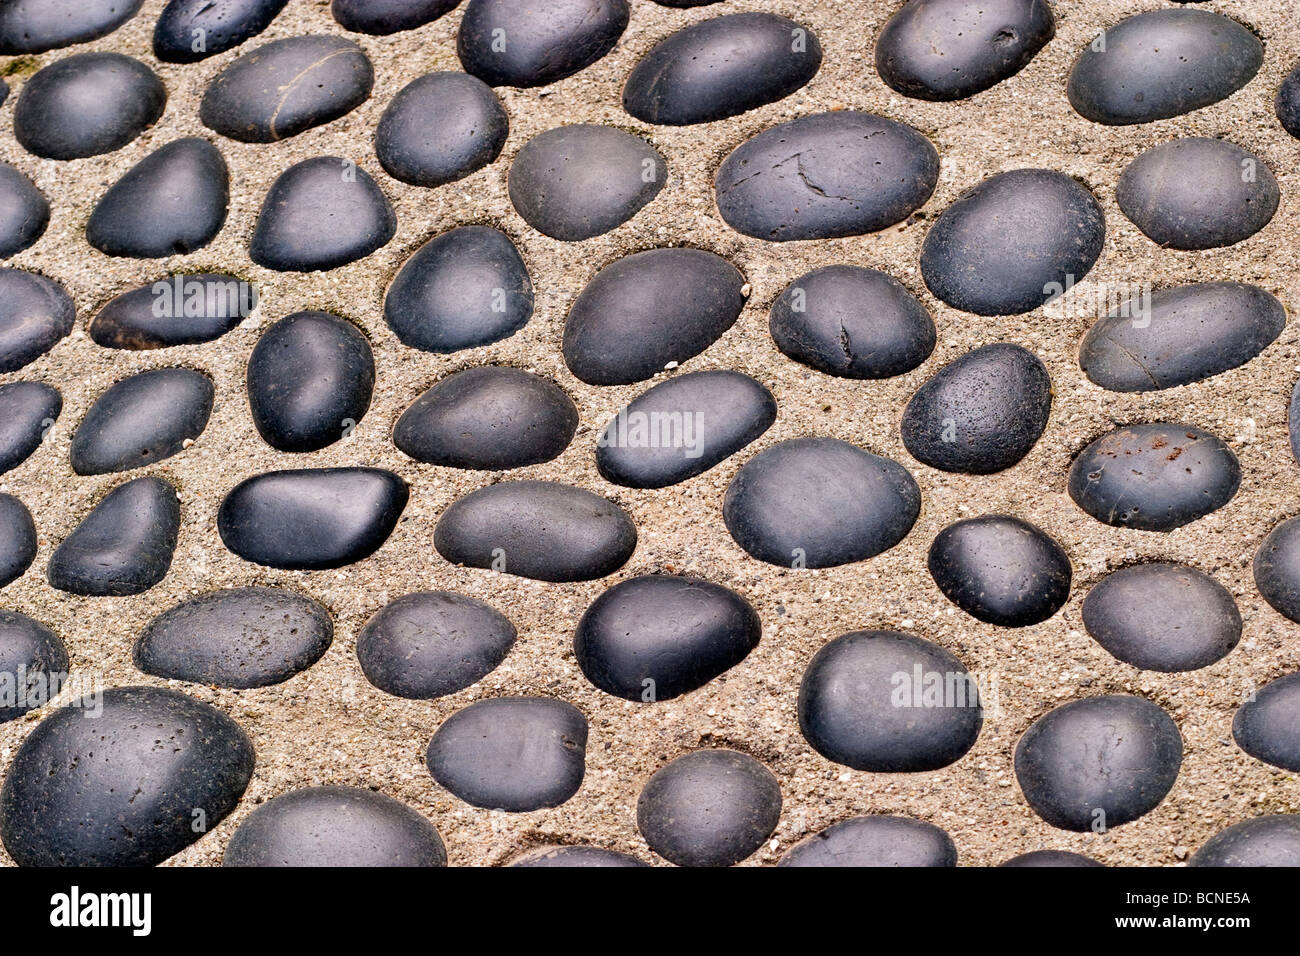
(125, 788)
(819, 502)
(658, 636)
(1265, 725)
(192, 30)
(141, 420)
(1277, 568)
(1050, 858)
(35, 313)
(490, 418)
(536, 529)
(575, 856)
(980, 414)
(27, 412)
(511, 753)
(239, 637)
(17, 545)
(876, 840)
(1096, 763)
(440, 128)
(824, 176)
(35, 26)
(1154, 477)
(24, 210)
(32, 658)
(385, 17)
(518, 43)
(1270, 840)
(124, 546)
(721, 67)
(1287, 104)
(312, 519)
(1162, 617)
(854, 710)
(709, 808)
(4, 91)
(178, 310)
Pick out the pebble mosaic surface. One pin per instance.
(626, 432)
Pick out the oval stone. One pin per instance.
(980, 414)
(818, 503)
(464, 289)
(575, 856)
(854, 711)
(239, 637)
(287, 87)
(876, 840)
(335, 827)
(35, 26)
(312, 519)
(1154, 477)
(440, 128)
(1162, 617)
(1287, 103)
(543, 43)
(35, 313)
(511, 753)
(659, 636)
(490, 418)
(1180, 335)
(824, 176)
(222, 25)
(951, 49)
(24, 210)
(1050, 858)
(537, 529)
(1277, 568)
(1271, 840)
(141, 420)
(1160, 64)
(1100, 761)
(87, 104)
(17, 544)
(180, 310)
(314, 217)
(709, 808)
(1013, 242)
(310, 379)
(722, 67)
(431, 644)
(1198, 193)
(853, 323)
(683, 427)
(1265, 726)
(649, 309)
(4, 91)
(27, 410)
(171, 203)
(385, 17)
(122, 789)
(32, 657)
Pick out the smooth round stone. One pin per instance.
(683, 427)
(659, 636)
(877, 840)
(537, 529)
(141, 420)
(1287, 103)
(853, 323)
(574, 857)
(464, 289)
(385, 17)
(1000, 570)
(35, 313)
(722, 67)
(124, 546)
(440, 128)
(240, 637)
(1277, 568)
(310, 379)
(1162, 617)
(523, 43)
(1050, 858)
(649, 309)
(180, 310)
(1160, 64)
(1265, 727)
(1096, 763)
(312, 519)
(335, 827)
(490, 418)
(287, 87)
(980, 414)
(818, 503)
(126, 788)
(320, 214)
(4, 91)
(17, 542)
(511, 753)
(32, 658)
(171, 203)
(856, 710)
(192, 30)
(825, 176)
(431, 644)
(87, 104)
(575, 182)
(24, 210)
(951, 49)
(709, 808)
(1271, 840)
(1154, 477)
(35, 26)
(27, 410)
(1181, 335)
(1198, 193)
(1014, 242)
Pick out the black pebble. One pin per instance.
(35, 26)
(33, 661)
(27, 411)
(385, 17)
(213, 26)
(575, 856)
(1050, 858)
(17, 543)
(4, 91)
(142, 419)
(1271, 840)
(24, 210)
(1288, 102)
(1277, 568)
(518, 43)
(440, 128)
(876, 840)
(177, 310)
(1265, 726)
(35, 313)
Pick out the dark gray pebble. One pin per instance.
(1265, 726)
(192, 30)
(1050, 858)
(1287, 103)
(385, 17)
(27, 411)
(141, 420)
(1277, 568)
(876, 840)
(440, 128)
(17, 543)
(177, 310)
(33, 661)
(520, 43)
(35, 26)
(24, 210)
(35, 313)
(1271, 840)
(575, 856)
